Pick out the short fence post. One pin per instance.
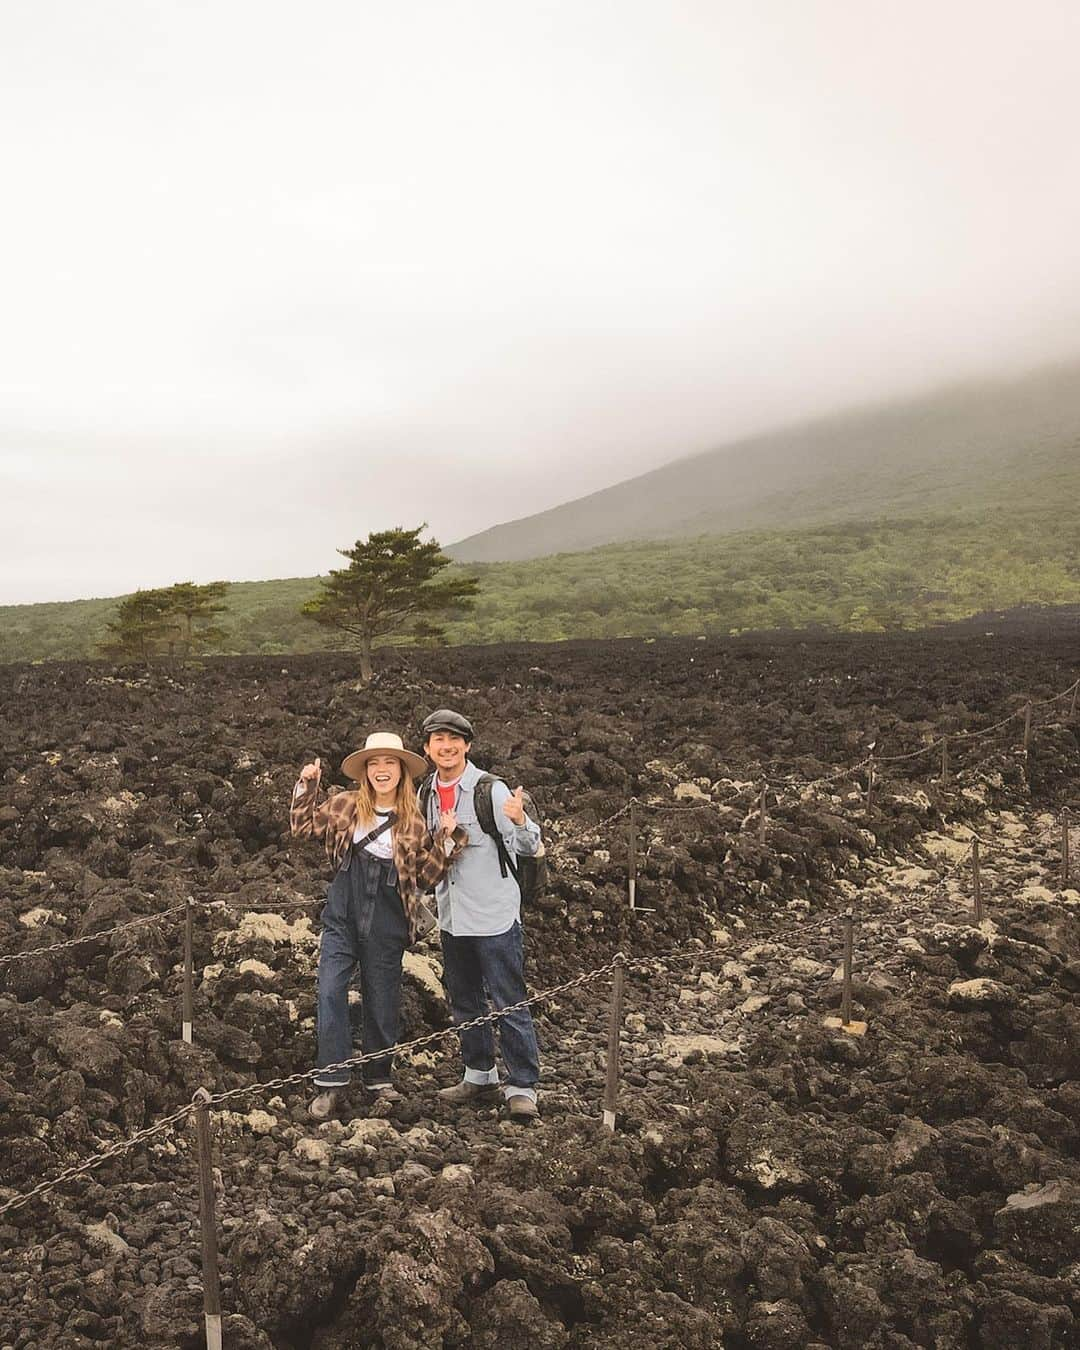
(208, 1224)
(849, 947)
(944, 760)
(1064, 850)
(763, 817)
(611, 1089)
(870, 785)
(976, 880)
(633, 855)
(1072, 706)
(187, 1016)
(1027, 730)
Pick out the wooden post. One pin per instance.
(633, 856)
(1027, 730)
(763, 816)
(1064, 850)
(611, 1089)
(1072, 706)
(944, 760)
(870, 785)
(186, 1015)
(849, 946)
(976, 880)
(208, 1224)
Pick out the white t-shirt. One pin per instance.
(383, 847)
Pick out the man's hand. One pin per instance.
(514, 807)
(448, 821)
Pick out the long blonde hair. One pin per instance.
(406, 808)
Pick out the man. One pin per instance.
(479, 908)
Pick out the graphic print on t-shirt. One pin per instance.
(383, 846)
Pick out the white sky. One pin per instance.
(275, 275)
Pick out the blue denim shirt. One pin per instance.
(474, 899)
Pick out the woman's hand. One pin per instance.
(448, 821)
(310, 771)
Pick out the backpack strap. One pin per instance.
(423, 795)
(485, 815)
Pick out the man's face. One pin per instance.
(447, 751)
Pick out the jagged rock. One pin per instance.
(1040, 1223)
(979, 993)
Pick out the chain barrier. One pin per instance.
(679, 954)
(8, 958)
(407, 1047)
(796, 780)
(676, 954)
(249, 906)
(276, 1084)
(582, 837)
(98, 1160)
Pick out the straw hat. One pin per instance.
(383, 743)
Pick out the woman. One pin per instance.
(385, 857)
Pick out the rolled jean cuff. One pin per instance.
(482, 1077)
(512, 1091)
(328, 1082)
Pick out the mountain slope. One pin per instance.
(964, 446)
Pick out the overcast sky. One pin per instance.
(274, 274)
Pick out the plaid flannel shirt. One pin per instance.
(420, 855)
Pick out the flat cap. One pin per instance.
(445, 719)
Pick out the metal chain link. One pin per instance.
(675, 954)
(92, 937)
(583, 836)
(407, 1047)
(252, 906)
(806, 784)
(275, 1084)
(90, 1164)
(681, 954)
(795, 780)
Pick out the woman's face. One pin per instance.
(384, 773)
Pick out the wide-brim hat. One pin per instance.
(383, 743)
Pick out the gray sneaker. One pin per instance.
(479, 1094)
(325, 1104)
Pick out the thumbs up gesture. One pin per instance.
(514, 807)
(310, 771)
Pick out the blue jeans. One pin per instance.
(363, 925)
(479, 969)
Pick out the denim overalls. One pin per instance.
(363, 924)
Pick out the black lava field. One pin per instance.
(775, 1180)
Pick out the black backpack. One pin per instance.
(531, 874)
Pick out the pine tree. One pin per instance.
(192, 610)
(388, 591)
(139, 629)
(168, 621)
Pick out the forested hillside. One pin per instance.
(894, 517)
(882, 575)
